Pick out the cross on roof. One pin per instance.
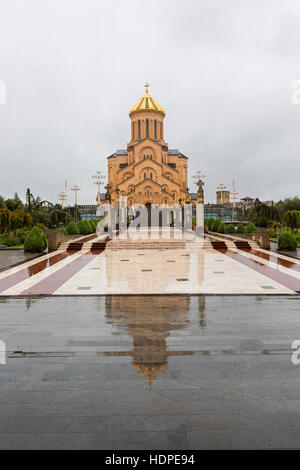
(147, 86)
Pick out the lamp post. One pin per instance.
(98, 177)
(75, 188)
(233, 195)
(62, 197)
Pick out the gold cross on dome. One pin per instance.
(147, 86)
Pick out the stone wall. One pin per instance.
(56, 238)
(262, 237)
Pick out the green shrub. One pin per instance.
(63, 230)
(88, 226)
(241, 228)
(21, 234)
(287, 241)
(72, 229)
(10, 239)
(215, 225)
(250, 228)
(209, 222)
(230, 228)
(82, 227)
(36, 241)
(222, 228)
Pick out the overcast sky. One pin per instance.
(222, 70)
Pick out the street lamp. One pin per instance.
(98, 177)
(62, 197)
(75, 188)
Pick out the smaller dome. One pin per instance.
(147, 102)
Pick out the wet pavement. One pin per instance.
(162, 372)
(9, 257)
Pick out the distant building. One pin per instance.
(223, 197)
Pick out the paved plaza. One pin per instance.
(137, 345)
(150, 372)
(156, 264)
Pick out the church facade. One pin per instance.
(147, 171)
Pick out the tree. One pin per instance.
(260, 213)
(289, 204)
(292, 219)
(5, 220)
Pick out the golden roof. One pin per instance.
(149, 371)
(147, 102)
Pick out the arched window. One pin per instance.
(166, 201)
(151, 157)
(145, 176)
(147, 127)
(144, 157)
(139, 128)
(155, 129)
(151, 176)
(132, 130)
(160, 125)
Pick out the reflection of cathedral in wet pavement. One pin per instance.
(150, 321)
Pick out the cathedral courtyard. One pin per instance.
(149, 372)
(157, 340)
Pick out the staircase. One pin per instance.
(242, 245)
(75, 246)
(219, 245)
(145, 245)
(96, 244)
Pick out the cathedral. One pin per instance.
(148, 172)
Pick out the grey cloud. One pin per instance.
(221, 69)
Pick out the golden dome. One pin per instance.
(147, 102)
(149, 371)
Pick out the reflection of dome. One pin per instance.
(149, 371)
(149, 321)
(147, 103)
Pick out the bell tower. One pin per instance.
(147, 119)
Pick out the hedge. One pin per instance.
(241, 228)
(287, 241)
(222, 228)
(215, 225)
(36, 241)
(72, 229)
(250, 228)
(230, 228)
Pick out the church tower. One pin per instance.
(148, 172)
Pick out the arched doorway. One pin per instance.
(148, 207)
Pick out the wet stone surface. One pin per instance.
(10, 257)
(149, 373)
